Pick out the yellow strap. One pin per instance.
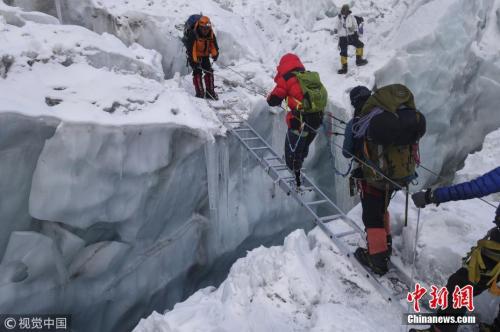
(494, 279)
(475, 265)
(299, 103)
(488, 244)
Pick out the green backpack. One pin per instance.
(392, 139)
(315, 94)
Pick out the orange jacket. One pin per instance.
(204, 46)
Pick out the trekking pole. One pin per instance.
(406, 204)
(413, 263)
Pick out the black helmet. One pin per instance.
(345, 9)
(358, 94)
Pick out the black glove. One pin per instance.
(215, 57)
(335, 31)
(423, 198)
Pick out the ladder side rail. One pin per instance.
(340, 244)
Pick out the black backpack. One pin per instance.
(392, 135)
(189, 28)
(360, 21)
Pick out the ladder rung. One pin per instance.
(259, 148)
(233, 121)
(330, 218)
(307, 188)
(250, 138)
(242, 129)
(317, 202)
(272, 158)
(339, 235)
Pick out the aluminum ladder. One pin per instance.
(276, 168)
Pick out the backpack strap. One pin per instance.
(476, 267)
(291, 73)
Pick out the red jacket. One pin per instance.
(287, 84)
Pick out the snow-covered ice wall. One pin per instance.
(118, 220)
(448, 53)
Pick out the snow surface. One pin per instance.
(76, 75)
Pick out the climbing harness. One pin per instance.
(476, 266)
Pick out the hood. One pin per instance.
(289, 62)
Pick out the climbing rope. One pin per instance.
(243, 86)
(243, 76)
(339, 120)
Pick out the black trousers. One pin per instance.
(203, 65)
(374, 203)
(461, 279)
(353, 40)
(296, 146)
(378, 231)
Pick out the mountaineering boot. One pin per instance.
(343, 62)
(359, 57)
(198, 86)
(360, 61)
(376, 262)
(209, 84)
(342, 70)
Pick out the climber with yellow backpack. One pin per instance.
(482, 265)
(383, 138)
